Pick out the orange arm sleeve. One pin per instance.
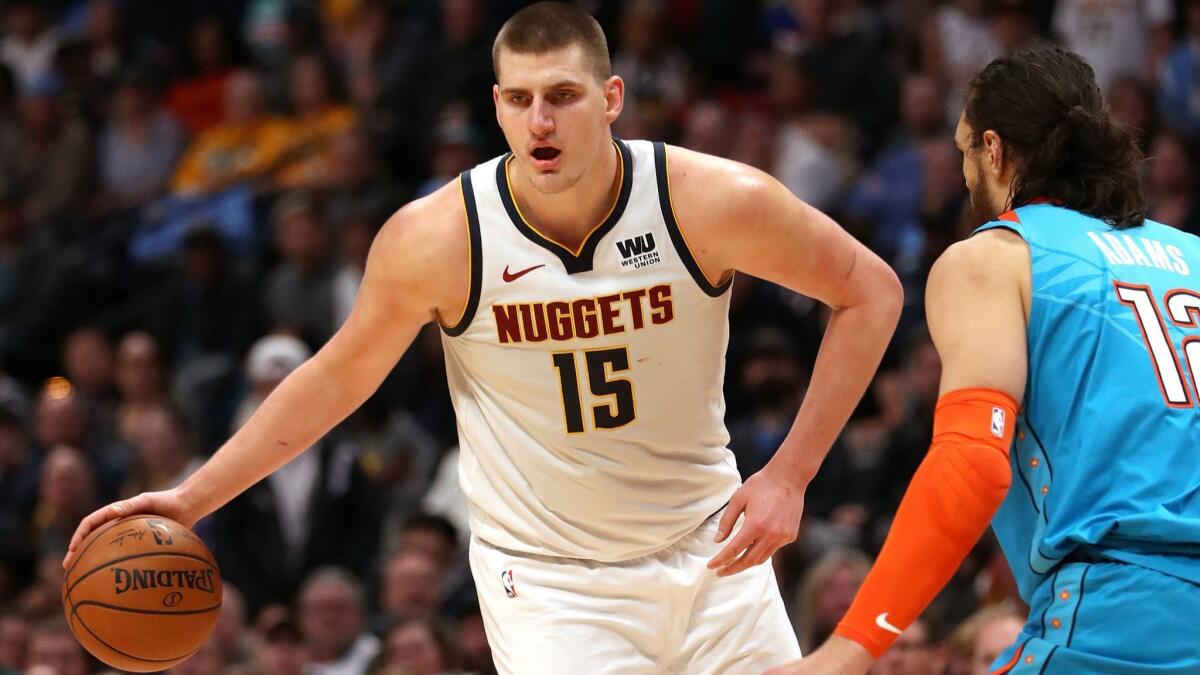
(947, 507)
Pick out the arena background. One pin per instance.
(184, 183)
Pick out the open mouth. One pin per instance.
(546, 154)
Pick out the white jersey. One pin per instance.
(588, 383)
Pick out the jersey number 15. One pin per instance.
(601, 365)
(1183, 309)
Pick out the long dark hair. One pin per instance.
(1045, 106)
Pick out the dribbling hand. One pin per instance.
(772, 503)
(167, 503)
(838, 655)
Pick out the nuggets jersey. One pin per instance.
(587, 383)
(1107, 451)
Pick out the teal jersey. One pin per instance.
(1107, 450)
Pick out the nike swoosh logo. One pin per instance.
(882, 622)
(509, 278)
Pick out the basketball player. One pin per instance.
(1070, 301)
(582, 287)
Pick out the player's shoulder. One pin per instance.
(717, 189)
(426, 234)
(435, 220)
(992, 258)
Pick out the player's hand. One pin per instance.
(772, 503)
(838, 655)
(168, 504)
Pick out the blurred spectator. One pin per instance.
(20, 466)
(298, 293)
(15, 632)
(206, 661)
(655, 71)
(957, 43)
(208, 304)
(355, 232)
(913, 653)
(61, 418)
(412, 583)
(1179, 79)
(360, 185)
(1131, 101)
(31, 288)
(888, 200)
(198, 99)
(462, 57)
(998, 629)
(141, 381)
(66, 493)
(855, 79)
(418, 646)
(247, 145)
(1116, 38)
(470, 638)
(30, 42)
(379, 63)
(456, 150)
(316, 120)
(317, 510)
(753, 141)
(51, 645)
(106, 40)
(706, 129)
(88, 361)
(1015, 24)
(772, 383)
(825, 595)
(48, 158)
(332, 620)
(232, 638)
(811, 151)
(165, 455)
(140, 146)
(282, 651)
(1171, 188)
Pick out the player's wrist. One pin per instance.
(853, 656)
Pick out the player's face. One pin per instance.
(555, 115)
(983, 202)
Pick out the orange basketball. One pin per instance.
(143, 594)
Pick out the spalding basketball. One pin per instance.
(143, 594)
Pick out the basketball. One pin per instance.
(143, 594)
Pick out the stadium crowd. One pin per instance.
(188, 191)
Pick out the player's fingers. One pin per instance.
(94, 520)
(729, 518)
(739, 543)
(752, 556)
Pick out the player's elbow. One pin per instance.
(877, 286)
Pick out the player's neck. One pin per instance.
(569, 215)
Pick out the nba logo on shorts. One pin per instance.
(510, 588)
(997, 422)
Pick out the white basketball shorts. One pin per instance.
(663, 613)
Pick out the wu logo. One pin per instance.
(634, 246)
(638, 251)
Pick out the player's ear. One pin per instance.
(614, 98)
(496, 99)
(994, 148)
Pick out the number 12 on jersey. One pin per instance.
(601, 366)
(1183, 309)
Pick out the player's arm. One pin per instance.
(739, 218)
(976, 303)
(399, 294)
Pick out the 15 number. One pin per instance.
(600, 364)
